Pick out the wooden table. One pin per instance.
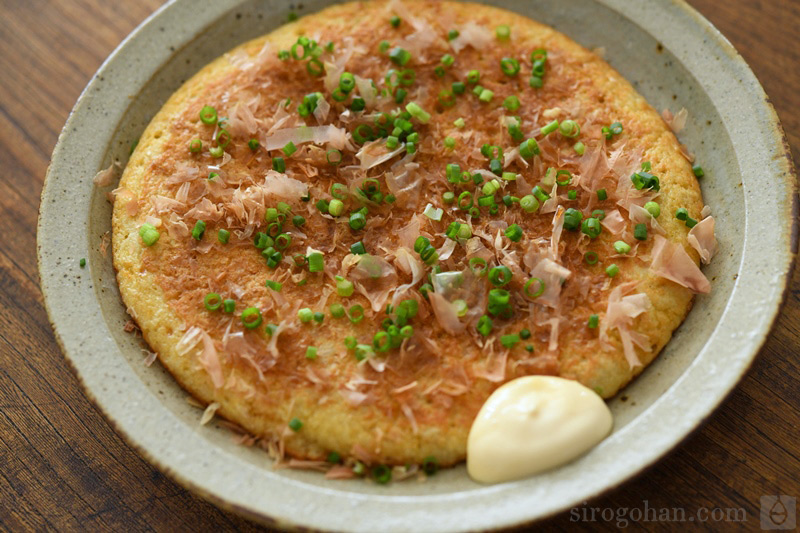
(63, 467)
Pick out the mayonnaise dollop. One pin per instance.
(532, 424)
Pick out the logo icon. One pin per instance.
(778, 511)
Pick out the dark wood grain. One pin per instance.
(62, 467)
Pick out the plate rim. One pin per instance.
(45, 229)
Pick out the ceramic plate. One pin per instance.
(671, 54)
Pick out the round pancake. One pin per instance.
(417, 401)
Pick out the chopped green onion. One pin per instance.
(199, 230)
(690, 222)
(334, 458)
(621, 247)
(311, 352)
(509, 176)
(477, 265)
(452, 34)
(289, 149)
(319, 317)
(529, 203)
(335, 207)
(640, 232)
(295, 424)
(208, 115)
(447, 60)
(500, 275)
(566, 181)
(473, 76)
(357, 221)
(453, 172)
(569, 128)
(195, 146)
(509, 340)
(486, 96)
(599, 213)
(593, 322)
(212, 301)
(515, 132)
(278, 164)
(356, 314)
(149, 234)
(572, 194)
(223, 138)
(316, 262)
(448, 197)
(509, 66)
(602, 194)
(503, 32)
(420, 243)
(228, 305)
(591, 258)
(486, 201)
(572, 219)
(612, 270)
(298, 220)
(400, 95)
(539, 193)
(433, 213)
(458, 87)
(358, 248)
(394, 21)
(274, 285)
(579, 148)
(514, 232)
(350, 342)
(465, 200)
(381, 342)
(682, 213)
(305, 315)
(251, 318)
(653, 208)
(536, 82)
(382, 474)
(315, 67)
(399, 56)
(511, 103)
(485, 325)
(591, 227)
(337, 310)
(645, 180)
(529, 148)
(447, 98)
(417, 112)
(549, 128)
(363, 133)
(344, 288)
(698, 171)
(449, 143)
(358, 104)
(539, 290)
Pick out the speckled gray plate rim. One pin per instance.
(671, 54)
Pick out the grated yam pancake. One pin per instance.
(415, 401)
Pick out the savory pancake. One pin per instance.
(349, 232)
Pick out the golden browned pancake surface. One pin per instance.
(417, 400)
